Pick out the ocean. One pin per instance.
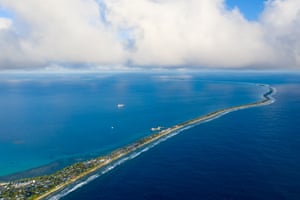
(49, 121)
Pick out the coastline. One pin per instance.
(87, 168)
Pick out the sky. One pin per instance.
(251, 9)
(109, 35)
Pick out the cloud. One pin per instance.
(281, 22)
(189, 32)
(5, 23)
(63, 31)
(161, 33)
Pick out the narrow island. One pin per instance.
(44, 186)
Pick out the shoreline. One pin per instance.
(73, 173)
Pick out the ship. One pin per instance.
(120, 105)
(157, 128)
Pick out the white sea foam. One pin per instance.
(71, 189)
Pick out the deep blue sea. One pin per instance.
(54, 120)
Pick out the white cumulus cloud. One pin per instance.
(163, 33)
(281, 22)
(180, 32)
(5, 23)
(61, 30)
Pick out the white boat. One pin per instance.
(120, 105)
(157, 128)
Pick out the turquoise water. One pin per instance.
(65, 118)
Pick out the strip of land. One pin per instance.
(44, 186)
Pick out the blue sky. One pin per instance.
(109, 35)
(250, 8)
(4, 13)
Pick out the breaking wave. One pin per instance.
(68, 190)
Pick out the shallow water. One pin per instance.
(47, 118)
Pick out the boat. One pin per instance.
(120, 105)
(157, 128)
